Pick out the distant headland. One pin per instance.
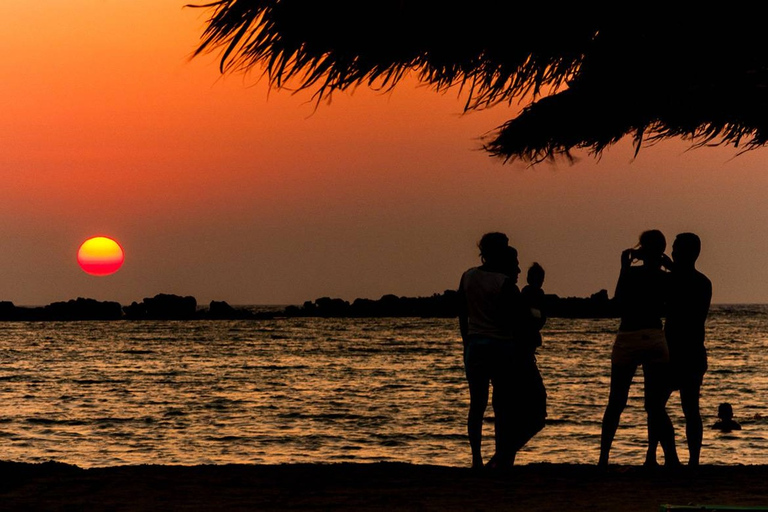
(175, 307)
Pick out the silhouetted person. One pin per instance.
(527, 396)
(726, 423)
(486, 297)
(533, 298)
(687, 309)
(641, 294)
(491, 316)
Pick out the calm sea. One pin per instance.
(330, 390)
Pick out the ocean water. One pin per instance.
(331, 390)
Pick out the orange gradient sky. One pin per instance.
(221, 191)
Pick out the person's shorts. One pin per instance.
(640, 347)
(485, 358)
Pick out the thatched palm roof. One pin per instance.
(587, 78)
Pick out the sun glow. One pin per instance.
(100, 256)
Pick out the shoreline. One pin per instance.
(376, 486)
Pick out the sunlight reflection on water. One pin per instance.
(329, 390)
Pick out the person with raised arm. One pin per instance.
(641, 293)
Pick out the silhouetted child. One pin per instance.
(533, 299)
(726, 423)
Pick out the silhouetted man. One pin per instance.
(687, 310)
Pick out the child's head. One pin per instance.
(725, 411)
(536, 275)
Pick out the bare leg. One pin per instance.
(653, 444)
(479, 380)
(659, 424)
(621, 380)
(478, 401)
(689, 398)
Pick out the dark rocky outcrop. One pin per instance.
(597, 305)
(83, 309)
(438, 305)
(159, 307)
(163, 307)
(174, 307)
(7, 310)
(221, 310)
(76, 309)
(445, 305)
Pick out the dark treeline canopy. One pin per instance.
(586, 77)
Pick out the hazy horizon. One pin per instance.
(204, 304)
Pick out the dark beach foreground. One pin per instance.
(375, 486)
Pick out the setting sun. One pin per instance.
(100, 256)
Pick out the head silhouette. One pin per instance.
(725, 411)
(651, 246)
(511, 265)
(686, 249)
(493, 248)
(536, 275)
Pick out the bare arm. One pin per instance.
(626, 264)
(463, 315)
(706, 300)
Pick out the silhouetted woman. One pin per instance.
(641, 294)
(491, 313)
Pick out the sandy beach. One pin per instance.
(375, 486)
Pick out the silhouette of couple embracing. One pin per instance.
(500, 330)
(653, 286)
(663, 304)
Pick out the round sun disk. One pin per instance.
(100, 256)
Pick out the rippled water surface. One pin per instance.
(330, 390)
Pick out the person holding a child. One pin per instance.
(500, 331)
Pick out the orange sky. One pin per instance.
(216, 190)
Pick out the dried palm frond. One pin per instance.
(589, 77)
